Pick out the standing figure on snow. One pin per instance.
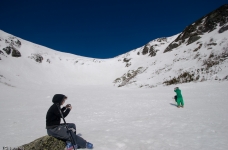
(57, 130)
(179, 98)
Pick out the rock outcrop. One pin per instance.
(16, 53)
(37, 57)
(208, 23)
(125, 79)
(151, 49)
(8, 49)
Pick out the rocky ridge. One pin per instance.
(203, 45)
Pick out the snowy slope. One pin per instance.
(41, 65)
(131, 69)
(205, 59)
(51, 66)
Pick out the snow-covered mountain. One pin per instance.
(123, 118)
(199, 53)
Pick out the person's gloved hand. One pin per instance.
(69, 106)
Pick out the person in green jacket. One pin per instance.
(180, 101)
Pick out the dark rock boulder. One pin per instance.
(225, 78)
(152, 51)
(18, 43)
(163, 39)
(126, 60)
(49, 61)
(16, 53)
(149, 49)
(192, 39)
(1, 52)
(223, 29)
(8, 49)
(208, 23)
(45, 143)
(37, 57)
(146, 49)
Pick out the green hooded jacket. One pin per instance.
(178, 92)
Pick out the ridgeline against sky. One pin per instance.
(99, 28)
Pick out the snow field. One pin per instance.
(122, 118)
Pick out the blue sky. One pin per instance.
(99, 28)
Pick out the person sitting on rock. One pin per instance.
(59, 131)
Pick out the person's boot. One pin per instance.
(89, 145)
(69, 146)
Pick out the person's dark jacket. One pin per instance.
(53, 116)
